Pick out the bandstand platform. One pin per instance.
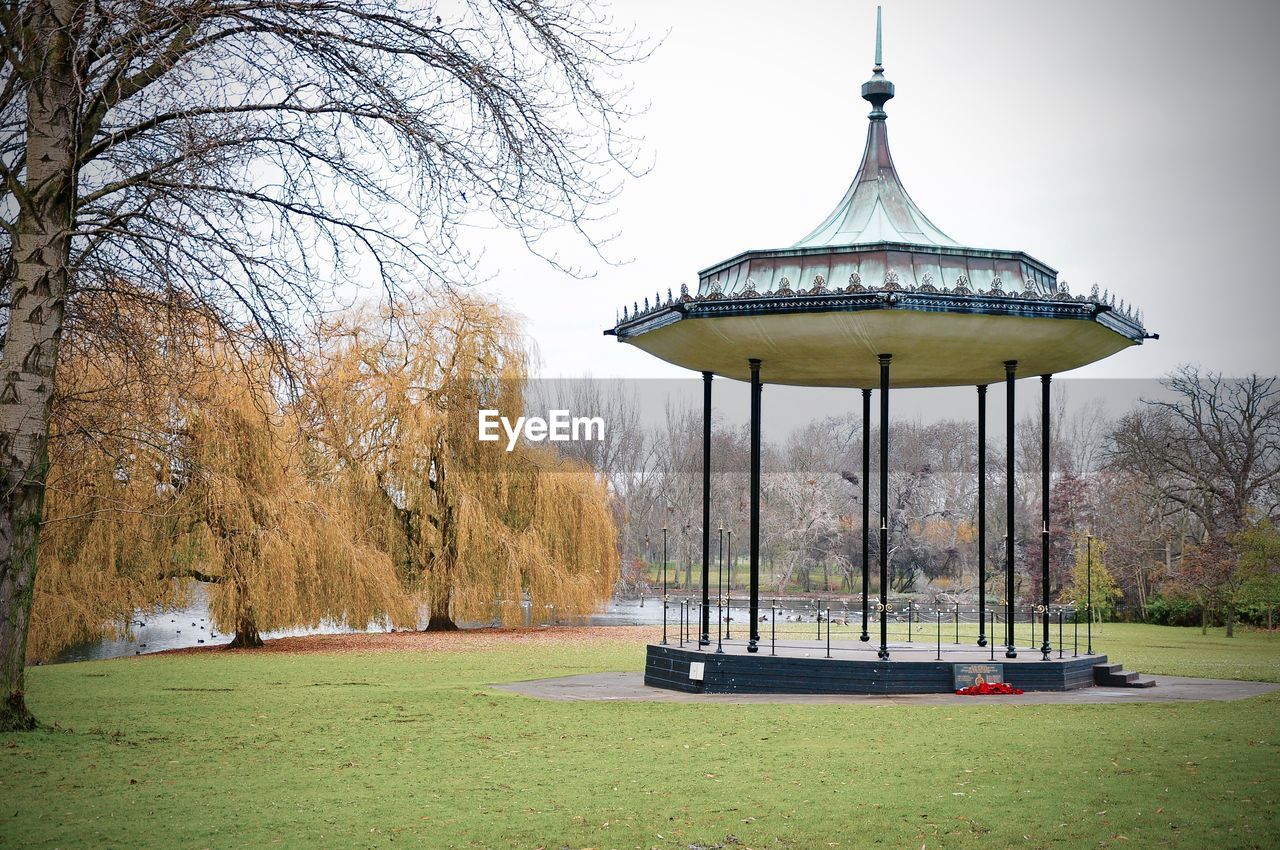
(803, 667)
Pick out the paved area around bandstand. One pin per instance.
(630, 686)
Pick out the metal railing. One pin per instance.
(943, 627)
(830, 623)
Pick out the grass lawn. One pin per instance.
(412, 748)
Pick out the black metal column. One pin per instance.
(1044, 510)
(884, 505)
(866, 505)
(1010, 375)
(982, 516)
(754, 605)
(705, 637)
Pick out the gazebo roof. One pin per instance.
(876, 207)
(878, 277)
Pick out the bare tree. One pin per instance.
(255, 155)
(1083, 437)
(1212, 451)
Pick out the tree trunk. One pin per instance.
(439, 619)
(37, 288)
(19, 528)
(440, 577)
(1231, 620)
(1140, 584)
(247, 636)
(1204, 619)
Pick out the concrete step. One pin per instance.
(1115, 676)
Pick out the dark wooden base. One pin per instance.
(804, 670)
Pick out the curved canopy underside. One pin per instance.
(840, 349)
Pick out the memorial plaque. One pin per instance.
(696, 670)
(967, 675)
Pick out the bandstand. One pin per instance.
(877, 297)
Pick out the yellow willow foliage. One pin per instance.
(284, 548)
(110, 512)
(557, 544)
(472, 527)
(187, 467)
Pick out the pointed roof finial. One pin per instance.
(879, 57)
(877, 90)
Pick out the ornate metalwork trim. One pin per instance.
(749, 303)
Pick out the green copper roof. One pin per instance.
(876, 207)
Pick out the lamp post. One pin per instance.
(664, 585)
(720, 596)
(647, 552)
(1088, 581)
(728, 585)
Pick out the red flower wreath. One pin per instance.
(984, 689)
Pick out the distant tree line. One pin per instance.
(1179, 495)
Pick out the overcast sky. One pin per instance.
(1129, 144)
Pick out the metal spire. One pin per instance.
(879, 58)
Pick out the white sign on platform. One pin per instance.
(696, 670)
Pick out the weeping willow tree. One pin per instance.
(175, 462)
(279, 547)
(110, 509)
(394, 402)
